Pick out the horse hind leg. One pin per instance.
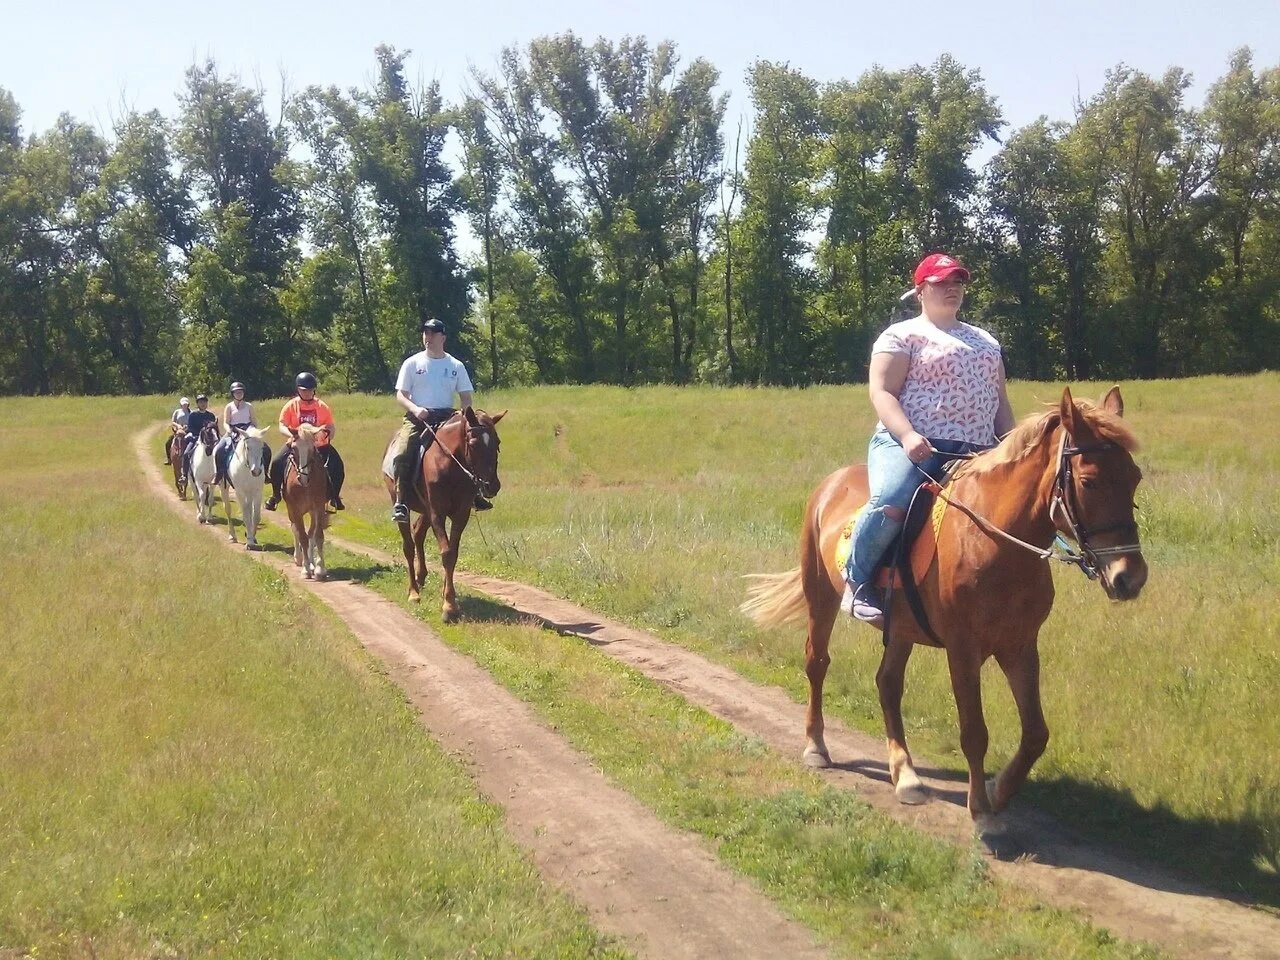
(907, 785)
(824, 605)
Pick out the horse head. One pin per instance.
(304, 451)
(1095, 482)
(250, 447)
(481, 449)
(209, 438)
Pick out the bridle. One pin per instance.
(1062, 503)
(483, 485)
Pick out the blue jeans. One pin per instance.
(893, 479)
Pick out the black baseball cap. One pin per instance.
(432, 325)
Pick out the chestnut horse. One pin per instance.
(1068, 471)
(174, 450)
(306, 494)
(461, 462)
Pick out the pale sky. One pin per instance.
(82, 57)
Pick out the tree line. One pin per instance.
(629, 231)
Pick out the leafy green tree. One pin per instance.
(778, 210)
(237, 161)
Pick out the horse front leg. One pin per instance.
(817, 658)
(409, 533)
(226, 508)
(889, 682)
(318, 521)
(448, 543)
(966, 684)
(301, 556)
(1022, 669)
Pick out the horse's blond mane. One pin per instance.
(1033, 428)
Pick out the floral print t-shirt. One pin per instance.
(952, 390)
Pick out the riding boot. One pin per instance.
(404, 465)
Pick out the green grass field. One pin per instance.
(178, 783)
(650, 504)
(195, 760)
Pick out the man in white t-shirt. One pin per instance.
(425, 388)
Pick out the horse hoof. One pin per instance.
(415, 598)
(450, 616)
(912, 794)
(308, 575)
(322, 576)
(816, 759)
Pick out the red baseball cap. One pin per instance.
(937, 267)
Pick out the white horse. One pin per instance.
(245, 473)
(203, 470)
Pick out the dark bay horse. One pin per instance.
(306, 495)
(1068, 471)
(461, 462)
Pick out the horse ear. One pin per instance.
(1069, 414)
(470, 415)
(1113, 403)
(498, 416)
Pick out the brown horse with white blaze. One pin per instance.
(461, 461)
(1069, 471)
(306, 494)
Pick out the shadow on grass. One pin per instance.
(1236, 859)
(1088, 826)
(478, 609)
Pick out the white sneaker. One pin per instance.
(867, 604)
(846, 602)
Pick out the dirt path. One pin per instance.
(1134, 900)
(660, 890)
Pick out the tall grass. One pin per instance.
(650, 504)
(197, 761)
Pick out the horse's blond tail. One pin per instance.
(775, 598)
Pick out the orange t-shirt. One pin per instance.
(314, 411)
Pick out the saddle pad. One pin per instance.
(844, 544)
(389, 464)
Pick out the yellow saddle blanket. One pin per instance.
(844, 545)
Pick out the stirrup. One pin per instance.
(400, 513)
(272, 502)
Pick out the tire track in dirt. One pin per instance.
(1135, 900)
(663, 892)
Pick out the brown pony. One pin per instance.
(306, 493)
(461, 462)
(1068, 471)
(174, 449)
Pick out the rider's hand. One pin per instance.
(917, 447)
(419, 413)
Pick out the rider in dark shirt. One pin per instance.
(201, 417)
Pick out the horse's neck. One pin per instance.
(1015, 497)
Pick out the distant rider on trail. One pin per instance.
(237, 413)
(178, 424)
(306, 407)
(425, 388)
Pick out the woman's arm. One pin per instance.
(1004, 412)
(886, 378)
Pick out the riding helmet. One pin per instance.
(306, 380)
(200, 396)
(237, 386)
